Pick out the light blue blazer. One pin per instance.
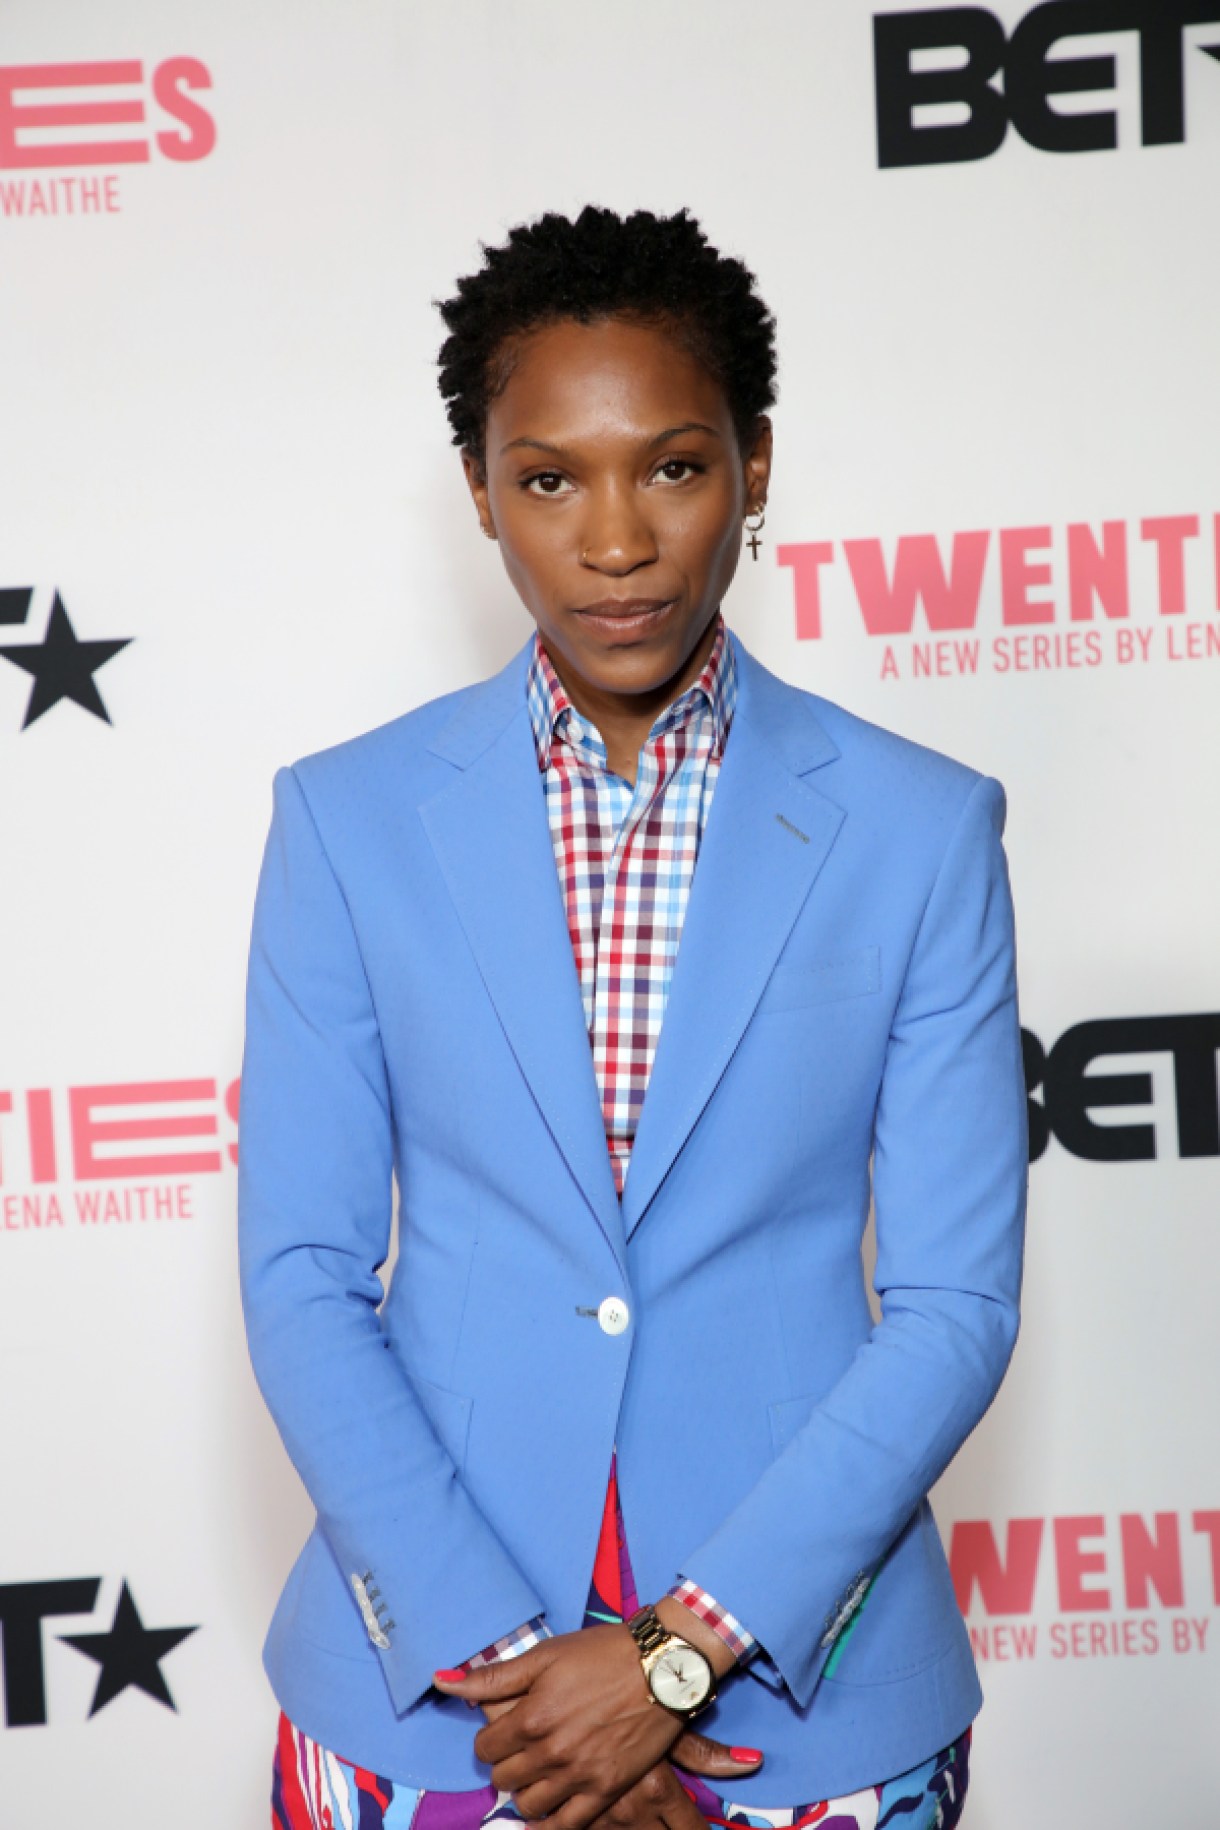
(842, 1016)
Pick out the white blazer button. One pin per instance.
(613, 1315)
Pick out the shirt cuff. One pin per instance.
(740, 1641)
(510, 1645)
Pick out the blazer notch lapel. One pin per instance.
(768, 835)
(488, 828)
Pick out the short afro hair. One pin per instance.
(656, 269)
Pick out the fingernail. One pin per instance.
(450, 1677)
(746, 1753)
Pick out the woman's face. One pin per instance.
(617, 490)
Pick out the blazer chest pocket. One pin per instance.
(821, 981)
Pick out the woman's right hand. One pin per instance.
(658, 1800)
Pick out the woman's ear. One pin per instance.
(476, 480)
(756, 465)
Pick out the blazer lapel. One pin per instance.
(767, 836)
(490, 833)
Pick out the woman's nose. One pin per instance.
(617, 535)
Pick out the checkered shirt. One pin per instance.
(626, 857)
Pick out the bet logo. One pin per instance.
(127, 1653)
(1064, 1094)
(961, 56)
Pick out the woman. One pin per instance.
(624, 1449)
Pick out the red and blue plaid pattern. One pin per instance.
(625, 858)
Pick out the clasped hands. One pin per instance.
(573, 1733)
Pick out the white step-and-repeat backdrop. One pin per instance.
(232, 530)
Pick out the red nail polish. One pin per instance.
(450, 1677)
(746, 1753)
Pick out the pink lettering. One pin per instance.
(1005, 1585)
(1018, 575)
(41, 1122)
(806, 558)
(69, 114)
(88, 1131)
(1189, 1634)
(232, 1103)
(1074, 1563)
(1170, 534)
(1132, 645)
(169, 80)
(1209, 1524)
(1151, 1561)
(1098, 571)
(950, 601)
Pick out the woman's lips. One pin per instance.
(625, 621)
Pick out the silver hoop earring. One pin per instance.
(753, 542)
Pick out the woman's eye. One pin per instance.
(675, 464)
(550, 483)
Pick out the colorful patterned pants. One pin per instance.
(313, 1789)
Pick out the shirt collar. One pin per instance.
(715, 691)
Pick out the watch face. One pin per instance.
(680, 1677)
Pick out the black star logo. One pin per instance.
(62, 666)
(130, 1653)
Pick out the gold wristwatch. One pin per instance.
(678, 1675)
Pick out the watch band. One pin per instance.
(647, 1630)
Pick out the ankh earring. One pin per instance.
(753, 542)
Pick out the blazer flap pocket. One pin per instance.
(818, 981)
(449, 1414)
(787, 1415)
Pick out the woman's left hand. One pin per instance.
(582, 1727)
